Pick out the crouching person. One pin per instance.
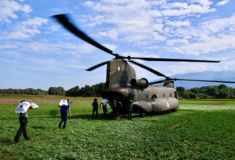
(64, 106)
(23, 119)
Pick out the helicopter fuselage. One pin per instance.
(149, 99)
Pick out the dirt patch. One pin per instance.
(211, 103)
(13, 101)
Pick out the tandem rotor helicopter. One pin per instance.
(121, 78)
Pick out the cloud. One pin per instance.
(136, 54)
(24, 29)
(110, 46)
(9, 7)
(10, 61)
(36, 21)
(178, 23)
(7, 45)
(142, 22)
(221, 3)
(209, 36)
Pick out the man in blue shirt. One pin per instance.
(63, 111)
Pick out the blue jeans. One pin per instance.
(64, 118)
(105, 110)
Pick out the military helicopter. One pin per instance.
(121, 78)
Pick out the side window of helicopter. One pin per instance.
(147, 97)
(163, 95)
(170, 95)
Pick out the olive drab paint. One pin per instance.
(150, 99)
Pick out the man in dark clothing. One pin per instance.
(116, 106)
(95, 107)
(63, 112)
(23, 119)
(130, 105)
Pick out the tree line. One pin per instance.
(220, 91)
(87, 91)
(28, 91)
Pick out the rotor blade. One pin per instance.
(147, 68)
(173, 60)
(64, 20)
(176, 79)
(157, 82)
(96, 66)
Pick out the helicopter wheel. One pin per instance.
(173, 110)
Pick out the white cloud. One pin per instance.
(110, 46)
(10, 53)
(178, 23)
(5, 46)
(9, 7)
(143, 22)
(136, 54)
(36, 21)
(10, 61)
(209, 36)
(24, 29)
(172, 42)
(221, 3)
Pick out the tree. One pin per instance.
(222, 86)
(194, 90)
(211, 91)
(180, 90)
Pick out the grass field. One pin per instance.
(200, 129)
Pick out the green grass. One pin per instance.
(193, 132)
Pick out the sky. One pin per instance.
(36, 52)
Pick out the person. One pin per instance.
(130, 105)
(23, 119)
(95, 107)
(63, 112)
(104, 106)
(116, 106)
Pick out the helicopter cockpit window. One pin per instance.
(118, 68)
(147, 97)
(170, 95)
(163, 95)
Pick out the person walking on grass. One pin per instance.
(95, 107)
(23, 119)
(104, 107)
(64, 106)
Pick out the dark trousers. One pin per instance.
(129, 115)
(64, 118)
(116, 110)
(23, 124)
(95, 110)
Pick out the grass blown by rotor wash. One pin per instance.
(193, 132)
